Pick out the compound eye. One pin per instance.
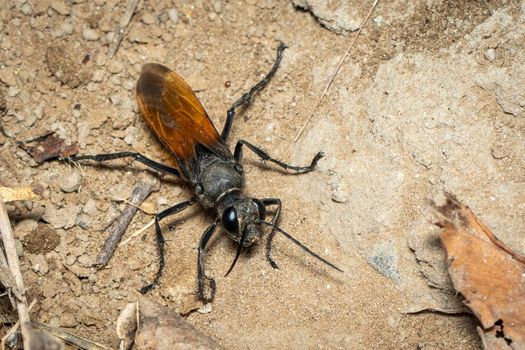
(261, 209)
(229, 220)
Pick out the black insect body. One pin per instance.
(205, 162)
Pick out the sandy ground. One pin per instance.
(431, 100)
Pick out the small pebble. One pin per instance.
(129, 138)
(139, 34)
(8, 76)
(90, 207)
(109, 37)
(217, 6)
(148, 18)
(115, 99)
(98, 76)
(212, 16)
(66, 28)
(115, 66)
(128, 84)
(12, 91)
(100, 60)
(76, 251)
(205, 309)
(173, 15)
(39, 264)
(60, 7)
(71, 182)
(490, 54)
(70, 260)
(85, 261)
(27, 10)
(83, 221)
(90, 34)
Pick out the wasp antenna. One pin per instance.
(302, 246)
(239, 248)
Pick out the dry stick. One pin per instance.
(69, 338)
(12, 259)
(336, 71)
(121, 28)
(119, 226)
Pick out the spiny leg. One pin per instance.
(200, 265)
(137, 156)
(275, 218)
(266, 157)
(160, 239)
(247, 97)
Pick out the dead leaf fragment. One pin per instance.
(22, 193)
(489, 275)
(48, 146)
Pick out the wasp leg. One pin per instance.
(247, 97)
(275, 218)
(200, 265)
(160, 239)
(137, 156)
(266, 157)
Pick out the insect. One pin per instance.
(205, 162)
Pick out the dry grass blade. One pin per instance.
(21, 193)
(121, 28)
(325, 91)
(138, 232)
(69, 338)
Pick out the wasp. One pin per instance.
(207, 165)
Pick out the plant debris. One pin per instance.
(489, 275)
(48, 146)
(20, 193)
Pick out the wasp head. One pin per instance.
(241, 220)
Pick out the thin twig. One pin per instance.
(336, 70)
(69, 338)
(119, 226)
(121, 28)
(14, 265)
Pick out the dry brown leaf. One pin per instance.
(48, 146)
(489, 275)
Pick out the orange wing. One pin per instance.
(176, 116)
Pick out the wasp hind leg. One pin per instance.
(201, 275)
(247, 97)
(267, 202)
(137, 156)
(161, 242)
(266, 157)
